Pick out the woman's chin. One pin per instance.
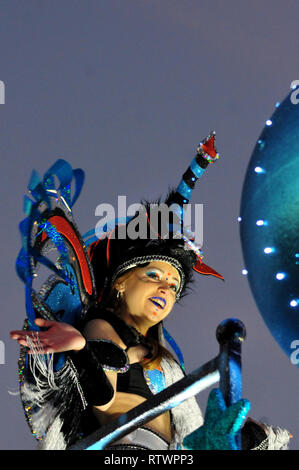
(154, 313)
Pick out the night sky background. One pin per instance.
(126, 89)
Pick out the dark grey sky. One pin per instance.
(125, 89)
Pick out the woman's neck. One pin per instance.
(138, 323)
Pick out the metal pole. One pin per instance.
(230, 335)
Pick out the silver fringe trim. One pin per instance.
(187, 416)
(277, 439)
(37, 363)
(49, 396)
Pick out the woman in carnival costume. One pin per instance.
(93, 344)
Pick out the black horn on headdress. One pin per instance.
(111, 255)
(206, 155)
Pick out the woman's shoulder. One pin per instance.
(102, 318)
(99, 324)
(99, 328)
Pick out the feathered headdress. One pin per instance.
(113, 254)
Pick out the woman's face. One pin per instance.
(150, 291)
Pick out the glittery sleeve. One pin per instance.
(252, 435)
(258, 436)
(276, 439)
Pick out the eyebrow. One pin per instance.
(161, 271)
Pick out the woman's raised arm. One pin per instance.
(59, 337)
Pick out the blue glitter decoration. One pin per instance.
(171, 341)
(155, 380)
(273, 197)
(184, 190)
(221, 425)
(64, 302)
(197, 170)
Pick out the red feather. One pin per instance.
(202, 268)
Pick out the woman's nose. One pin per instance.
(164, 286)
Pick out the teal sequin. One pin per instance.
(221, 425)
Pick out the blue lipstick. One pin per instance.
(158, 303)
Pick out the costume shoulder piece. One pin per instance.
(59, 285)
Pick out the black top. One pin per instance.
(132, 381)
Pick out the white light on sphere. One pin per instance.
(260, 223)
(258, 169)
(268, 250)
(280, 276)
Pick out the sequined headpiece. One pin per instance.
(135, 262)
(111, 256)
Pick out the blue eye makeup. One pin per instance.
(156, 276)
(153, 274)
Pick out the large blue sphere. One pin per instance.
(269, 224)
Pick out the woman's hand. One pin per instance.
(59, 337)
